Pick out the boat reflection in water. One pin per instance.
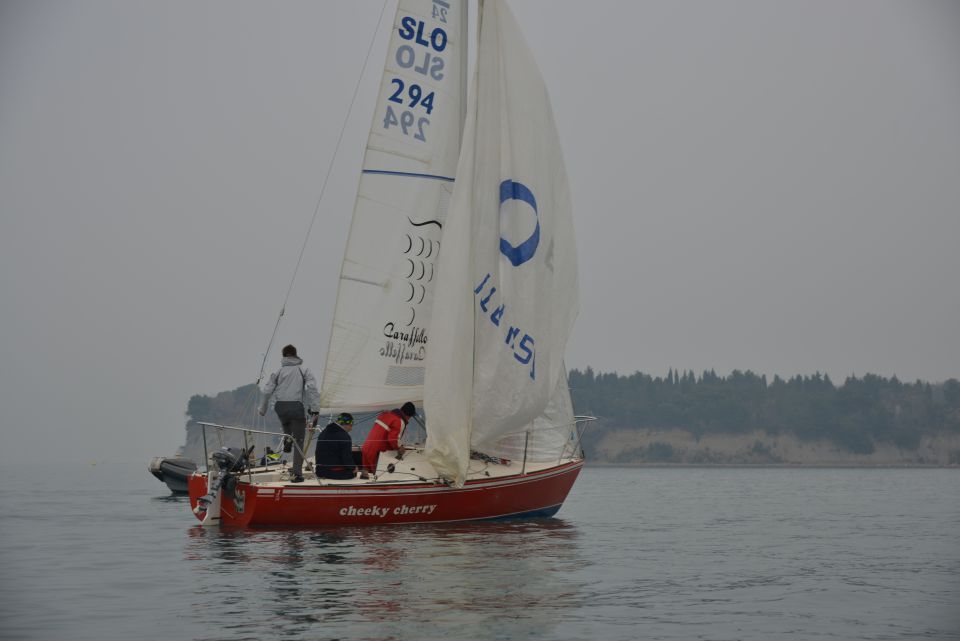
(450, 580)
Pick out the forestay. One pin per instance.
(506, 295)
(381, 325)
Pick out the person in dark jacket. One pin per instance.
(334, 451)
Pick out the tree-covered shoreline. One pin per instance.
(855, 416)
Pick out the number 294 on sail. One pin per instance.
(405, 121)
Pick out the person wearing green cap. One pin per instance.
(334, 452)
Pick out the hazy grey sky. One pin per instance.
(758, 185)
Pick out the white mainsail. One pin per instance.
(506, 292)
(381, 324)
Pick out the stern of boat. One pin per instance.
(234, 505)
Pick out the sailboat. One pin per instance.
(458, 291)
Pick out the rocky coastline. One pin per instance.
(673, 446)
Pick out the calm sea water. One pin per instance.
(105, 552)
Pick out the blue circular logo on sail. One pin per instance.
(519, 254)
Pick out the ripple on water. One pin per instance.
(635, 553)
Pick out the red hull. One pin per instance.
(535, 494)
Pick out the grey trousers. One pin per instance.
(293, 418)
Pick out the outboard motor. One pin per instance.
(230, 463)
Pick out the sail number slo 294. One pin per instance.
(421, 56)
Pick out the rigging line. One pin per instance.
(323, 187)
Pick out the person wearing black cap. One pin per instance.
(385, 434)
(334, 453)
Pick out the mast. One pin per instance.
(464, 59)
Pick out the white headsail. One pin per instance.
(550, 435)
(507, 293)
(381, 327)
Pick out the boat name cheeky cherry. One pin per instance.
(383, 511)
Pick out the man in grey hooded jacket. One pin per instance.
(295, 390)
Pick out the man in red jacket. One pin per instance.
(385, 434)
